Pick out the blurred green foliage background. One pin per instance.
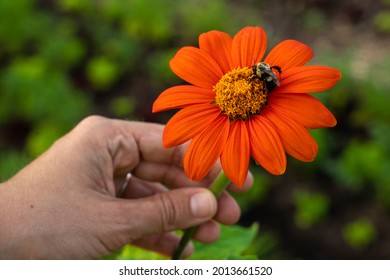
(63, 60)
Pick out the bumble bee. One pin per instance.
(264, 72)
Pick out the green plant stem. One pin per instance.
(216, 188)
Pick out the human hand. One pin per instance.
(64, 205)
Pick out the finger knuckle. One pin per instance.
(168, 214)
(92, 121)
(178, 156)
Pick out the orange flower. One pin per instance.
(232, 113)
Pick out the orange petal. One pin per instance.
(296, 140)
(248, 46)
(266, 146)
(218, 45)
(181, 96)
(187, 123)
(196, 67)
(206, 148)
(308, 79)
(303, 108)
(236, 154)
(289, 53)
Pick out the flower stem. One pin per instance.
(219, 185)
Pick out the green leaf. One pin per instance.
(75, 5)
(43, 136)
(361, 162)
(158, 66)
(258, 192)
(122, 106)
(130, 252)
(201, 16)
(102, 72)
(382, 21)
(360, 233)
(311, 208)
(149, 19)
(11, 162)
(231, 244)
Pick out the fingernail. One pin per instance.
(203, 204)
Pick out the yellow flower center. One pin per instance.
(240, 94)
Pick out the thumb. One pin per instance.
(167, 211)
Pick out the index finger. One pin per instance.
(148, 137)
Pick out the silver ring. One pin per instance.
(124, 186)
